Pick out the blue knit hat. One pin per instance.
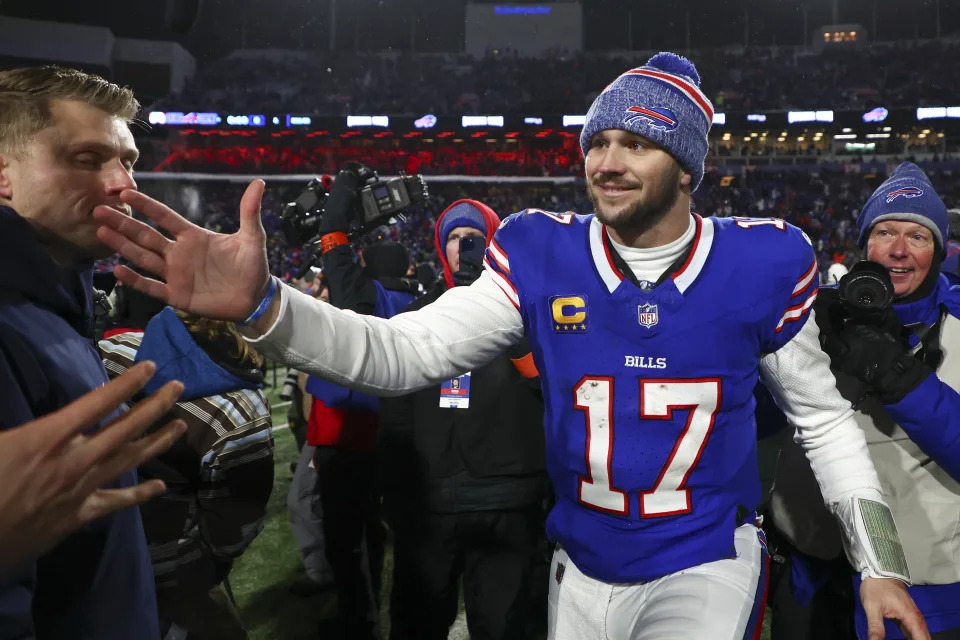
(462, 215)
(906, 195)
(662, 102)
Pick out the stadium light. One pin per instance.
(574, 121)
(720, 118)
(481, 121)
(298, 121)
(925, 113)
(368, 121)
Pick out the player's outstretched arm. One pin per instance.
(888, 598)
(214, 275)
(799, 379)
(463, 329)
(51, 474)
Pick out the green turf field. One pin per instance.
(261, 577)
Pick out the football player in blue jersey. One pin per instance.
(650, 326)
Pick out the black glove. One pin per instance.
(877, 359)
(466, 275)
(338, 209)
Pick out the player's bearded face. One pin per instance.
(631, 184)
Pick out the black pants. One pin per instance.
(494, 551)
(354, 536)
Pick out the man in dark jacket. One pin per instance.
(465, 475)
(65, 147)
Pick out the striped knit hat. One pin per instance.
(662, 102)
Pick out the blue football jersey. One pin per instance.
(650, 431)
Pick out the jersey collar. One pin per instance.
(602, 252)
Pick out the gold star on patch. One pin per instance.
(583, 327)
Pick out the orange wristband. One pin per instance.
(332, 240)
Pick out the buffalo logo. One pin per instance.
(876, 115)
(658, 117)
(426, 122)
(906, 192)
(569, 313)
(647, 315)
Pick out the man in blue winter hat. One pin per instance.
(904, 370)
(649, 326)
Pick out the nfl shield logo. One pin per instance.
(647, 315)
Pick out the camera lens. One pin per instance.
(867, 286)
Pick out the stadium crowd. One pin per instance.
(894, 75)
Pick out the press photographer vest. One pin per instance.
(924, 499)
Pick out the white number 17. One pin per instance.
(658, 399)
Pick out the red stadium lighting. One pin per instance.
(511, 134)
(445, 134)
(479, 134)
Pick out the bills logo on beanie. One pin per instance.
(906, 195)
(906, 192)
(662, 102)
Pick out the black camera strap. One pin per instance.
(928, 350)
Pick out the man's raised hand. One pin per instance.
(209, 274)
(51, 472)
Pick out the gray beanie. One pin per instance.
(662, 102)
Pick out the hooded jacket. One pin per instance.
(98, 583)
(487, 456)
(219, 475)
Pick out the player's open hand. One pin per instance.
(209, 274)
(888, 598)
(51, 474)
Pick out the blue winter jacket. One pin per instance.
(98, 583)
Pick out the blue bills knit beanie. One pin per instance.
(662, 102)
(906, 195)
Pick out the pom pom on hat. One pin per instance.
(672, 63)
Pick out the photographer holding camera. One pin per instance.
(343, 424)
(892, 331)
(465, 474)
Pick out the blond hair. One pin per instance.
(218, 330)
(26, 95)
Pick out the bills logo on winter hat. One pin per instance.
(906, 192)
(659, 118)
(662, 102)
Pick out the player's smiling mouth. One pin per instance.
(614, 190)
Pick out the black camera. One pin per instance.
(866, 298)
(866, 289)
(372, 202)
